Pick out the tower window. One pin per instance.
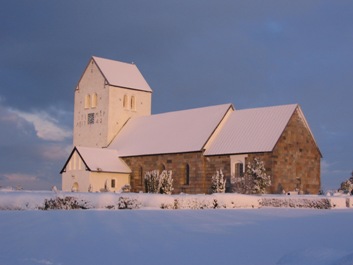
(125, 102)
(87, 101)
(133, 103)
(90, 118)
(94, 100)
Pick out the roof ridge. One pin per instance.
(267, 107)
(199, 108)
(102, 58)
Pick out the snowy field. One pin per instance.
(152, 236)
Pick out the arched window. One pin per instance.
(94, 100)
(133, 103)
(74, 187)
(87, 101)
(125, 102)
(161, 168)
(141, 176)
(187, 174)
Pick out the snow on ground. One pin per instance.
(29, 200)
(222, 236)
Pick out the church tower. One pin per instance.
(108, 94)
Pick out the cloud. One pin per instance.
(19, 178)
(25, 181)
(46, 126)
(33, 147)
(56, 152)
(331, 168)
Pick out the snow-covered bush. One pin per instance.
(242, 184)
(347, 185)
(213, 201)
(218, 182)
(159, 183)
(192, 204)
(125, 203)
(166, 182)
(64, 203)
(128, 203)
(152, 181)
(126, 188)
(255, 179)
(296, 202)
(105, 189)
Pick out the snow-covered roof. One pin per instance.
(99, 159)
(122, 74)
(173, 132)
(251, 130)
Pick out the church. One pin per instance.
(116, 139)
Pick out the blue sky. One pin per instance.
(192, 54)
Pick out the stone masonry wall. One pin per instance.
(175, 162)
(294, 163)
(296, 159)
(201, 170)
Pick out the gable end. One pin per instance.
(70, 156)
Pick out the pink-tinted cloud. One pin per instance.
(46, 127)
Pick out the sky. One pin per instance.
(192, 54)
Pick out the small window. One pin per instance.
(125, 102)
(133, 103)
(112, 183)
(94, 100)
(141, 175)
(90, 118)
(87, 101)
(187, 174)
(238, 170)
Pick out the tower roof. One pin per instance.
(122, 74)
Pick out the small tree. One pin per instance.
(218, 182)
(256, 171)
(159, 183)
(152, 181)
(242, 184)
(166, 182)
(255, 179)
(347, 185)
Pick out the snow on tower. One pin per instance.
(108, 94)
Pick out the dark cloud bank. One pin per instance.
(199, 53)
